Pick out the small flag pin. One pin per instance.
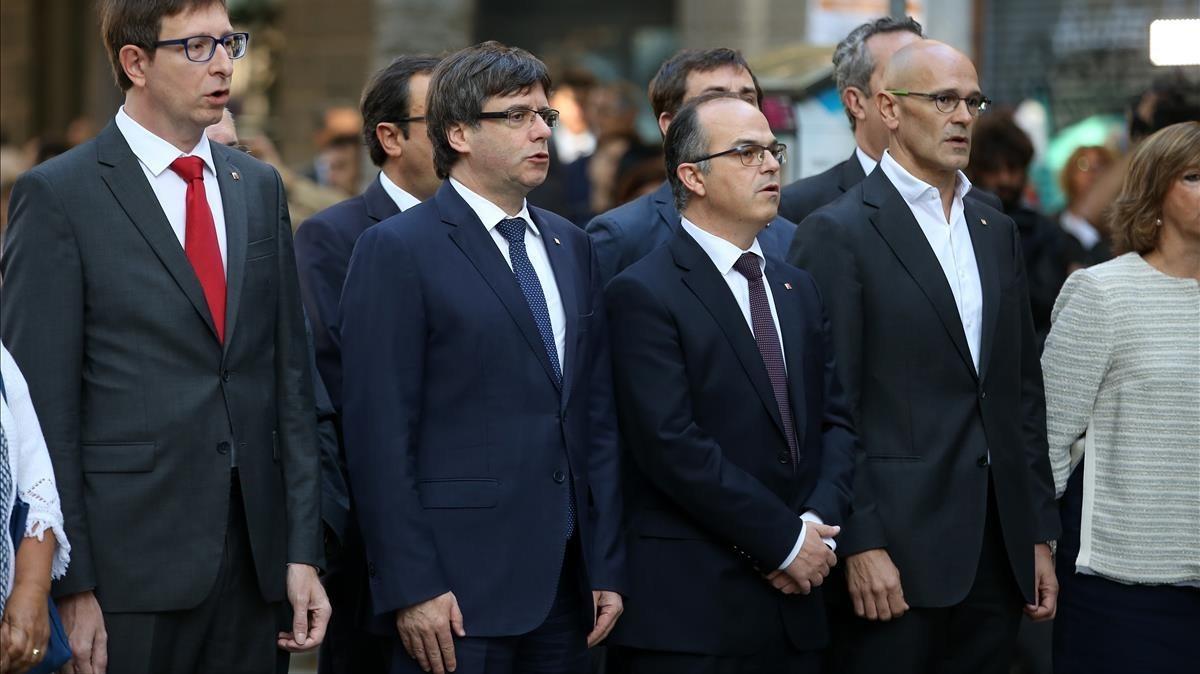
(983, 221)
(236, 175)
(787, 285)
(557, 242)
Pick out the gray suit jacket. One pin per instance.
(140, 403)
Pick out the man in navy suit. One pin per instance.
(625, 234)
(477, 397)
(730, 408)
(393, 108)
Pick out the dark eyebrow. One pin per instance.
(751, 141)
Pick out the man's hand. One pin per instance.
(1045, 585)
(84, 623)
(310, 610)
(812, 563)
(425, 631)
(26, 627)
(607, 607)
(874, 583)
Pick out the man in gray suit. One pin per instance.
(151, 295)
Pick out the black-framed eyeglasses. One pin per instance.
(947, 101)
(410, 120)
(517, 118)
(201, 48)
(751, 154)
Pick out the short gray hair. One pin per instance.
(852, 62)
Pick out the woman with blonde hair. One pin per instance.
(1122, 378)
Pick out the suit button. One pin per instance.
(982, 461)
(559, 476)
(783, 457)
(222, 447)
(982, 394)
(224, 375)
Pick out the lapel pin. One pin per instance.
(236, 175)
(787, 285)
(983, 221)
(557, 242)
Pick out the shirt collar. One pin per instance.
(1083, 230)
(490, 214)
(154, 152)
(403, 199)
(912, 188)
(722, 253)
(864, 159)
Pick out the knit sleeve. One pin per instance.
(1074, 363)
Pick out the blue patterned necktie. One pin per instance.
(513, 231)
(6, 491)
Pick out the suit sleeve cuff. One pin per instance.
(795, 548)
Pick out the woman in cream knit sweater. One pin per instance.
(1122, 372)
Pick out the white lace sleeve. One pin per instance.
(34, 472)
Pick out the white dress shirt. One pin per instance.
(535, 246)
(950, 241)
(31, 471)
(1081, 229)
(723, 255)
(402, 199)
(155, 155)
(864, 160)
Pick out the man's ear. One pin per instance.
(692, 179)
(458, 137)
(889, 109)
(664, 120)
(855, 100)
(134, 61)
(390, 138)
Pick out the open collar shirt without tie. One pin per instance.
(535, 246)
(723, 255)
(950, 241)
(155, 156)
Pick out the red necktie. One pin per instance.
(200, 240)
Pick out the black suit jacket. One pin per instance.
(926, 420)
(801, 198)
(324, 243)
(713, 497)
(140, 403)
(461, 446)
(628, 232)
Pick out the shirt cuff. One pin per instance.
(807, 516)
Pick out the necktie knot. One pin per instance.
(188, 168)
(513, 230)
(747, 265)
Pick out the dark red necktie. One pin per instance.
(200, 240)
(769, 346)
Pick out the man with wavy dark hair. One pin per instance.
(477, 396)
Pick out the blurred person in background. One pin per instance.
(44, 553)
(1000, 157)
(395, 134)
(339, 151)
(626, 233)
(1122, 368)
(565, 190)
(1086, 243)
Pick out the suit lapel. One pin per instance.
(379, 205)
(791, 325)
(125, 179)
(894, 221)
(851, 173)
(473, 239)
(233, 201)
(989, 279)
(706, 283)
(565, 269)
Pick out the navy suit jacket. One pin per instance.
(324, 243)
(713, 498)
(462, 449)
(625, 234)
